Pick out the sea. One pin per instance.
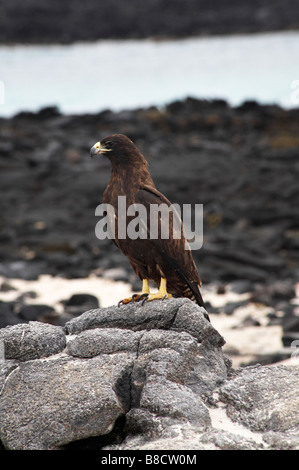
(89, 77)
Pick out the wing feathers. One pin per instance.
(173, 250)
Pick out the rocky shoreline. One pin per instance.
(36, 22)
(240, 163)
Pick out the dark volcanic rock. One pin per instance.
(74, 21)
(7, 314)
(274, 293)
(35, 312)
(290, 325)
(79, 303)
(240, 163)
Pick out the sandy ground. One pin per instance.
(52, 290)
(244, 343)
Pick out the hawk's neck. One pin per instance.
(126, 180)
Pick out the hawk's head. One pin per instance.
(116, 147)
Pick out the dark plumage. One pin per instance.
(151, 259)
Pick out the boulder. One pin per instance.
(139, 377)
(48, 403)
(79, 303)
(33, 340)
(263, 398)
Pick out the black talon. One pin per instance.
(165, 296)
(207, 317)
(142, 297)
(134, 298)
(143, 300)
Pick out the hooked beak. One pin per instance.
(97, 149)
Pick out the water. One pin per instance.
(90, 77)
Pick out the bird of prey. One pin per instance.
(166, 261)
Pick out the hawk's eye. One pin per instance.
(109, 144)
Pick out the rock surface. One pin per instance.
(139, 377)
(240, 163)
(26, 342)
(74, 21)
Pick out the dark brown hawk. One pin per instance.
(166, 261)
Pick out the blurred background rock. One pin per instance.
(240, 162)
(41, 21)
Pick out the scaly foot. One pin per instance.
(158, 296)
(146, 296)
(137, 297)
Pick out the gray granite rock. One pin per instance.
(146, 377)
(264, 398)
(33, 340)
(49, 402)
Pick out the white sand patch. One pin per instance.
(247, 342)
(222, 422)
(52, 290)
(219, 300)
(243, 342)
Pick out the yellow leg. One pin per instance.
(145, 287)
(146, 296)
(136, 297)
(161, 294)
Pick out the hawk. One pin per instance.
(166, 261)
